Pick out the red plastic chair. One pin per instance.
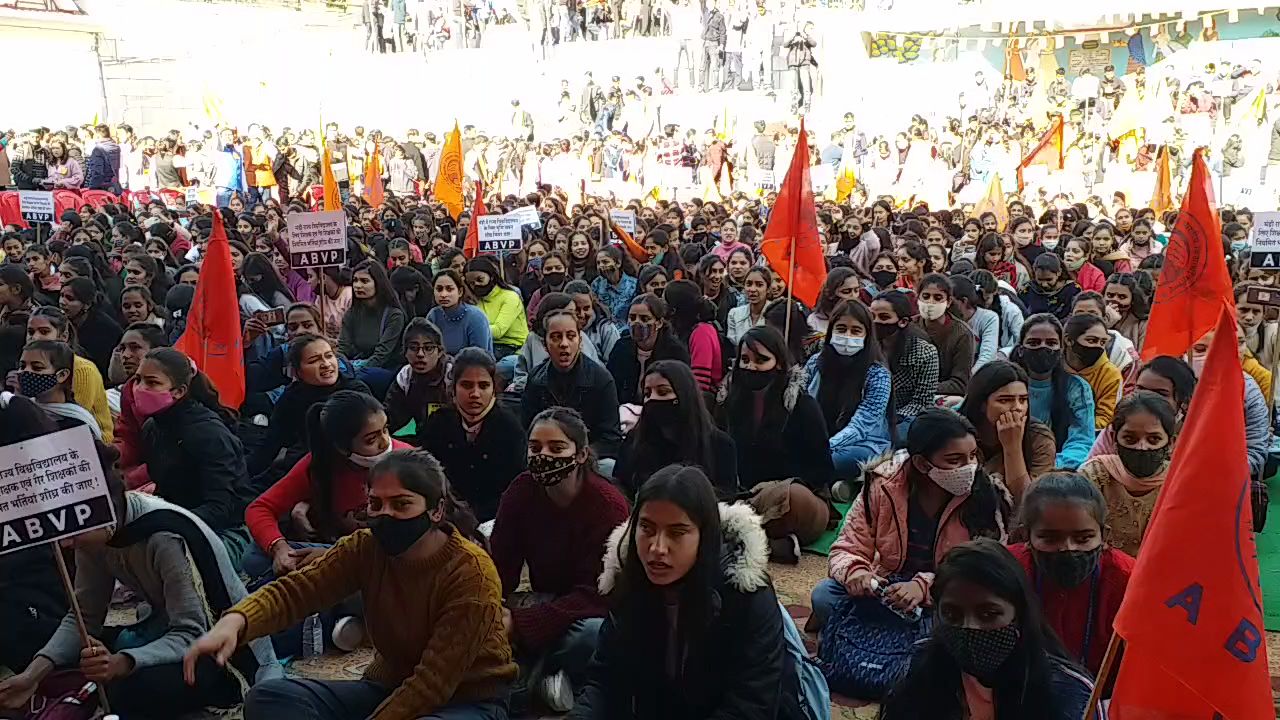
(140, 199)
(98, 198)
(64, 200)
(11, 210)
(317, 197)
(173, 198)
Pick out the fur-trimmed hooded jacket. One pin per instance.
(736, 668)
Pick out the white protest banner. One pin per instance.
(625, 219)
(193, 196)
(317, 239)
(51, 487)
(527, 215)
(1265, 253)
(763, 180)
(499, 234)
(36, 206)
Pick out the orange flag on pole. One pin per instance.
(1192, 614)
(1047, 152)
(212, 338)
(374, 192)
(791, 243)
(471, 247)
(448, 185)
(332, 195)
(1162, 195)
(1194, 284)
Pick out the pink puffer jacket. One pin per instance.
(880, 547)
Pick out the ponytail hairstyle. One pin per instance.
(182, 372)
(420, 473)
(83, 289)
(331, 426)
(688, 307)
(61, 324)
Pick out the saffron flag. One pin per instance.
(448, 185)
(1192, 614)
(374, 192)
(1013, 67)
(1194, 285)
(1162, 195)
(471, 247)
(212, 338)
(846, 174)
(993, 202)
(1047, 152)
(791, 243)
(332, 195)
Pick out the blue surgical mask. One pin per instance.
(847, 345)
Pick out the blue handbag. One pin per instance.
(866, 648)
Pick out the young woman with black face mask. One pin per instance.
(1130, 478)
(781, 438)
(675, 427)
(1059, 399)
(554, 277)
(555, 517)
(445, 656)
(911, 358)
(1079, 578)
(1086, 357)
(1173, 381)
(992, 654)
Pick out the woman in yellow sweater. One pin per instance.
(433, 605)
(1086, 356)
(87, 390)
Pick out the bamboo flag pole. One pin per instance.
(1104, 675)
(85, 640)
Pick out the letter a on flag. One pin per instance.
(1192, 614)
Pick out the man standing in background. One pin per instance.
(714, 34)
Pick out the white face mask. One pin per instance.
(1110, 316)
(932, 310)
(368, 461)
(956, 480)
(847, 345)
(1050, 243)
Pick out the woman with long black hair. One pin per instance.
(842, 284)
(710, 277)
(911, 358)
(97, 331)
(691, 319)
(651, 339)
(694, 629)
(479, 442)
(1059, 399)
(264, 281)
(1013, 445)
(1127, 307)
(992, 654)
(676, 427)
(784, 456)
(372, 327)
(853, 388)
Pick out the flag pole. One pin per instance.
(70, 589)
(791, 279)
(1104, 675)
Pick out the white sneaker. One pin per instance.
(348, 633)
(557, 692)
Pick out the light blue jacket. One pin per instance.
(867, 434)
(1080, 435)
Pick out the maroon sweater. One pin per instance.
(564, 548)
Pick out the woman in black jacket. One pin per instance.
(192, 454)
(570, 379)
(317, 374)
(675, 427)
(420, 387)
(97, 331)
(650, 339)
(719, 652)
(480, 443)
(784, 458)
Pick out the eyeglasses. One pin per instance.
(424, 349)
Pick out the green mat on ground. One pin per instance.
(1268, 542)
(822, 546)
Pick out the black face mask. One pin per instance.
(1067, 568)
(1087, 355)
(482, 290)
(1041, 360)
(978, 651)
(553, 279)
(1142, 463)
(753, 380)
(664, 412)
(884, 278)
(886, 331)
(397, 535)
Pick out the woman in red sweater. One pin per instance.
(556, 517)
(1079, 579)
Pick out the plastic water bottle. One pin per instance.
(879, 590)
(312, 636)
